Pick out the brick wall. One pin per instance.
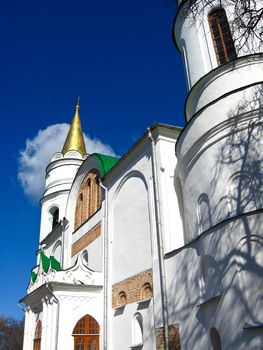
(132, 289)
(85, 240)
(159, 334)
(173, 337)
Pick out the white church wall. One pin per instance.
(172, 229)
(55, 200)
(223, 81)
(123, 324)
(219, 116)
(230, 280)
(131, 228)
(129, 238)
(93, 255)
(230, 146)
(72, 307)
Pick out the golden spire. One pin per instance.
(75, 140)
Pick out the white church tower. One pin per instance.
(219, 179)
(60, 174)
(62, 284)
(222, 140)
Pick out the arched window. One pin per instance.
(37, 338)
(56, 252)
(86, 334)
(85, 256)
(215, 339)
(89, 199)
(146, 292)
(122, 298)
(79, 344)
(137, 331)
(221, 35)
(204, 213)
(87, 202)
(250, 266)
(54, 216)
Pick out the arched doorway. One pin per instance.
(86, 334)
(37, 338)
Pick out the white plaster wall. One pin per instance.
(74, 306)
(239, 302)
(57, 199)
(122, 320)
(131, 228)
(215, 166)
(60, 174)
(225, 80)
(95, 257)
(222, 141)
(54, 247)
(172, 228)
(220, 115)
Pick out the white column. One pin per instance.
(49, 323)
(44, 337)
(26, 329)
(53, 324)
(31, 330)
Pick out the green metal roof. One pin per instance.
(54, 263)
(33, 276)
(45, 261)
(105, 162)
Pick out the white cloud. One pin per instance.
(38, 151)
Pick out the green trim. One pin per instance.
(54, 263)
(105, 162)
(33, 276)
(45, 262)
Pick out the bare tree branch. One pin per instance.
(246, 22)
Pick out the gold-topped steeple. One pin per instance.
(75, 140)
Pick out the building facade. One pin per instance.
(163, 247)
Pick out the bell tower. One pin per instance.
(60, 174)
(221, 142)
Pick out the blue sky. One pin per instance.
(118, 56)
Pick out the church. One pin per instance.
(161, 248)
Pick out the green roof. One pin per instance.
(33, 276)
(54, 263)
(45, 261)
(105, 162)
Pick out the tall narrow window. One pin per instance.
(54, 216)
(137, 332)
(86, 334)
(221, 35)
(89, 200)
(215, 339)
(204, 213)
(37, 338)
